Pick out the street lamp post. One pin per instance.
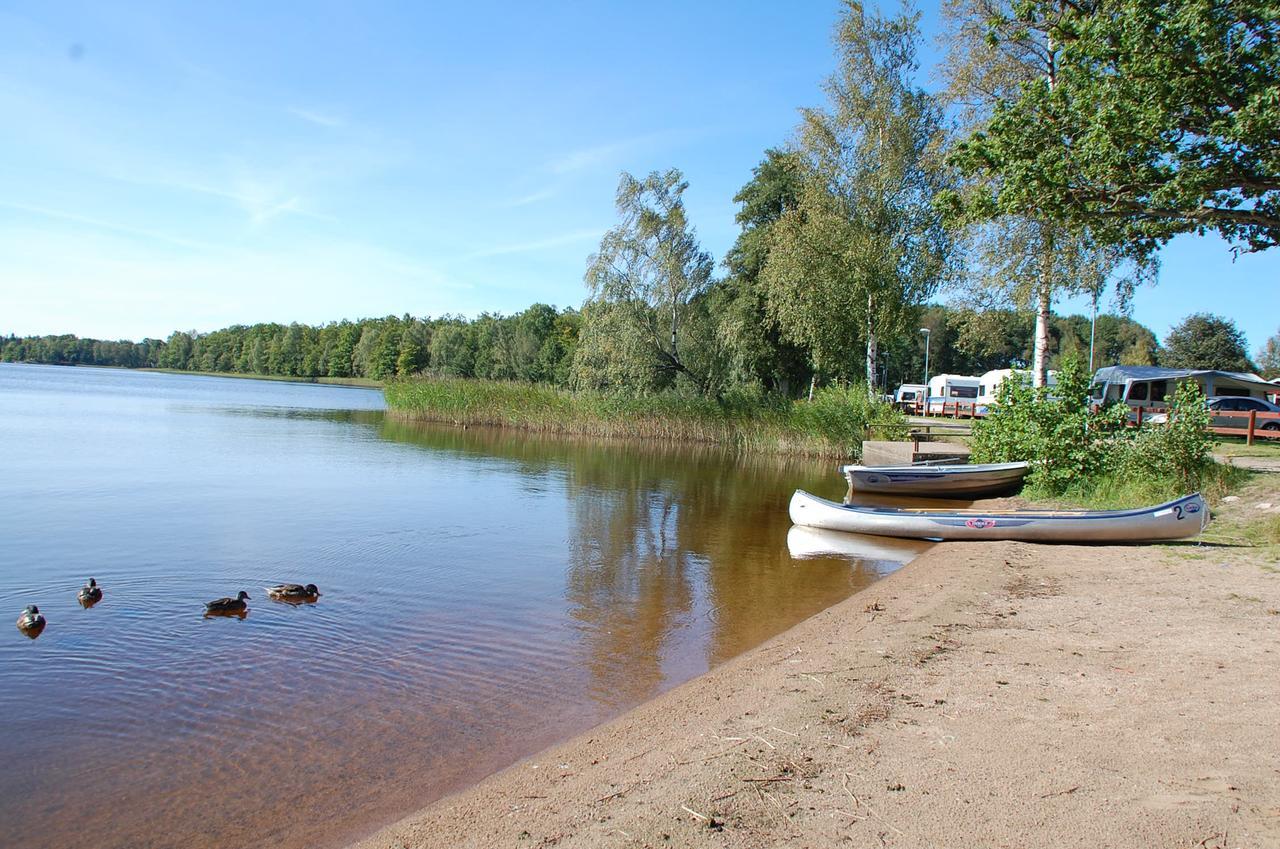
(927, 336)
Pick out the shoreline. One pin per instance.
(1106, 667)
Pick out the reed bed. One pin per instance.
(833, 424)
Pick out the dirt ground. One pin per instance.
(988, 694)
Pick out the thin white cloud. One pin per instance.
(320, 119)
(108, 226)
(526, 200)
(589, 157)
(537, 245)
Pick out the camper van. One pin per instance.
(909, 396)
(1146, 387)
(952, 388)
(991, 381)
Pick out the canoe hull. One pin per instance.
(1178, 519)
(941, 481)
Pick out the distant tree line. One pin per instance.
(541, 345)
(535, 345)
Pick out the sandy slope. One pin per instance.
(989, 694)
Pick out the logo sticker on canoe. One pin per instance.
(1193, 507)
(872, 479)
(979, 524)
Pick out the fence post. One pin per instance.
(1253, 420)
(1139, 422)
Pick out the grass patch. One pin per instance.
(1119, 491)
(1237, 448)
(833, 424)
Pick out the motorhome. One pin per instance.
(951, 389)
(990, 384)
(1148, 387)
(909, 396)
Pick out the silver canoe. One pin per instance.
(1185, 517)
(952, 480)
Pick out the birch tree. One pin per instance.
(644, 321)
(865, 242)
(1025, 260)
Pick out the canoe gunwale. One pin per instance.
(1175, 519)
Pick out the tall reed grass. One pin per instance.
(833, 424)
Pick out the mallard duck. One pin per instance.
(293, 592)
(90, 593)
(31, 619)
(228, 605)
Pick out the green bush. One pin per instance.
(1178, 451)
(1089, 455)
(1056, 430)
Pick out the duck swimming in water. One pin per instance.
(228, 605)
(31, 622)
(293, 592)
(90, 594)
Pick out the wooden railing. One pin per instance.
(1252, 425)
(946, 409)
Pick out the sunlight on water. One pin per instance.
(484, 595)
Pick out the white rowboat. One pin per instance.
(942, 481)
(1178, 519)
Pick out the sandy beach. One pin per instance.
(987, 694)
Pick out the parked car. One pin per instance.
(1231, 404)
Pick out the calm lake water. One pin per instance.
(485, 594)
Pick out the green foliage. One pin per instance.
(864, 243)
(755, 352)
(1089, 454)
(1022, 259)
(834, 424)
(1269, 358)
(1204, 341)
(644, 323)
(1178, 451)
(1157, 117)
(1063, 438)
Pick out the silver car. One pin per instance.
(1231, 404)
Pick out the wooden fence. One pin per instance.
(1247, 426)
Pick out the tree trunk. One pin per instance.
(871, 350)
(1044, 301)
(813, 382)
(1044, 290)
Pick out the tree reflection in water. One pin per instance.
(676, 556)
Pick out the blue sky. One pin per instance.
(168, 165)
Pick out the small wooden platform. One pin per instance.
(883, 453)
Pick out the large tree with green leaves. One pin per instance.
(756, 352)
(864, 243)
(1204, 341)
(1156, 117)
(1020, 258)
(644, 323)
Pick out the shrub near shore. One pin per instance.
(833, 424)
(1090, 456)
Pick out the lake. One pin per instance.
(485, 594)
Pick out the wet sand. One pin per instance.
(993, 694)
